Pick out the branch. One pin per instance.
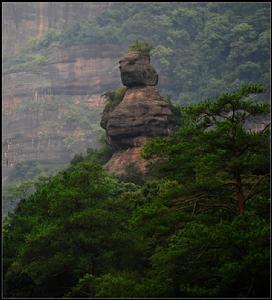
(263, 130)
(206, 114)
(215, 205)
(204, 248)
(208, 207)
(194, 209)
(180, 208)
(251, 193)
(189, 199)
(229, 183)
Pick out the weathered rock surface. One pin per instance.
(23, 21)
(124, 158)
(35, 100)
(35, 104)
(142, 114)
(136, 70)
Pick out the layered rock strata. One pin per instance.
(143, 113)
(23, 21)
(37, 103)
(41, 96)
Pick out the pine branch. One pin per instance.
(263, 130)
(252, 191)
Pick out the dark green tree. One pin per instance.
(218, 156)
(196, 226)
(56, 236)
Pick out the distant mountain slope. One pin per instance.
(60, 57)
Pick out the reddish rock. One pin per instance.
(26, 21)
(142, 114)
(123, 158)
(33, 128)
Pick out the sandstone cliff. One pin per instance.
(44, 104)
(23, 21)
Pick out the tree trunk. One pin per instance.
(239, 194)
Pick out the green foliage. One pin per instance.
(84, 193)
(115, 97)
(24, 61)
(29, 170)
(176, 109)
(12, 194)
(100, 156)
(24, 178)
(235, 252)
(49, 38)
(85, 233)
(203, 48)
(196, 226)
(132, 174)
(213, 153)
(32, 106)
(141, 47)
(77, 116)
(77, 159)
(38, 59)
(115, 285)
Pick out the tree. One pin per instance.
(64, 231)
(227, 259)
(181, 233)
(228, 162)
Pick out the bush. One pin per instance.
(141, 46)
(113, 99)
(48, 39)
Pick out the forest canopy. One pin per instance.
(197, 225)
(201, 49)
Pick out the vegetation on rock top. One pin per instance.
(141, 46)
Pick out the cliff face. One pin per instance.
(35, 104)
(25, 20)
(52, 110)
(143, 113)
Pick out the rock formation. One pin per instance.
(136, 70)
(35, 105)
(23, 21)
(143, 113)
(37, 99)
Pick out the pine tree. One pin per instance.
(227, 160)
